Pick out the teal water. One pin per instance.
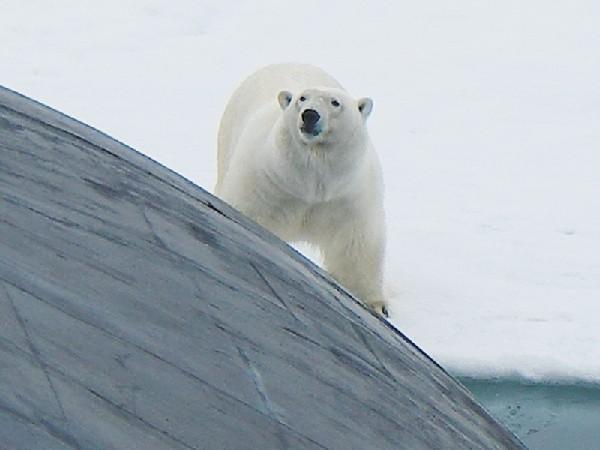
(543, 416)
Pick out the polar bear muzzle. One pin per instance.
(310, 122)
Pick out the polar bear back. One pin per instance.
(259, 92)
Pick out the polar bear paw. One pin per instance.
(380, 309)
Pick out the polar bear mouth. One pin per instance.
(312, 131)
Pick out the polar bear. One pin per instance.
(294, 155)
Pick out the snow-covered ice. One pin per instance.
(487, 119)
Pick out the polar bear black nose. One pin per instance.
(310, 118)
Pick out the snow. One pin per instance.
(487, 119)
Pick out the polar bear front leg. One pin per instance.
(354, 257)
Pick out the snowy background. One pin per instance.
(486, 117)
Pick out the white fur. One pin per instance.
(325, 189)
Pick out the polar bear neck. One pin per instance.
(316, 173)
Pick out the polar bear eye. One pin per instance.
(302, 98)
(335, 103)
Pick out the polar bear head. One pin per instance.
(323, 116)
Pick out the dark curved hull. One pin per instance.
(138, 311)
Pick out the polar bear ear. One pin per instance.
(284, 98)
(365, 106)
